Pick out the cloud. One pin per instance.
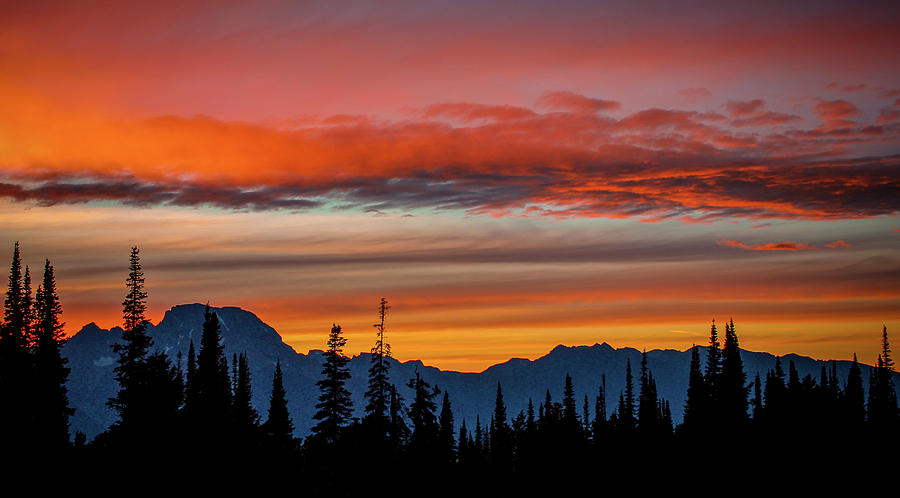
(653, 164)
(766, 119)
(573, 102)
(836, 112)
(845, 88)
(737, 109)
(784, 245)
(838, 243)
(473, 112)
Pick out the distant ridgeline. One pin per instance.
(209, 378)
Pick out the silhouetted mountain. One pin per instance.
(92, 361)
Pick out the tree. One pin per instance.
(854, 396)
(648, 416)
(445, 431)
(52, 409)
(732, 390)
(695, 406)
(279, 427)
(151, 389)
(378, 393)
(500, 440)
(570, 413)
(882, 407)
(335, 406)
(424, 437)
(211, 384)
(130, 400)
(626, 417)
(713, 369)
(245, 418)
(15, 363)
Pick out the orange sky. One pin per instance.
(510, 176)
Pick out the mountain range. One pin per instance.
(91, 381)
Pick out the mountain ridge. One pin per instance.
(91, 381)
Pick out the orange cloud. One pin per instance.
(784, 245)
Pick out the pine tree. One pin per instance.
(732, 390)
(151, 389)
(695, 407)
(570, 413)
(647, 403)
(15, 363)
(246, 420)
(52, 409)
(463, 444)
(279, 427)
(335, 406)
(378, 393)
(211, 383)
(626, 409)
(398, 430)
(423, 442)
(131, 400)
(713, 369)
(757, 400)
(854, 396)
(883, 414)
(500, 436)
(445, 431)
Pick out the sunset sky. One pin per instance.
(509, 175)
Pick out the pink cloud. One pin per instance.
(838, 243)
(573, 102)
(738, 108)
(784, 245)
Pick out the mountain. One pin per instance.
(91, 381)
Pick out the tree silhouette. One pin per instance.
(732, 389)
(378, 393)
(335, 406)
(211, 386)
(423, 441)
(51, 409)
(246, 420)
(279, 427)
(445, 431)
(15, 363)
(131, 369)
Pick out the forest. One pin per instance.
(201, 406)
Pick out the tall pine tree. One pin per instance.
(52, 409)
(335, 406)
(379, 390)
(279, 427)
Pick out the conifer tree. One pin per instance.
(463, 444)
(570, 414)
(695, 412)
(151, 389)
(500, 437)
(211, 383)
(279, 427)
(445, 431)
(15, 362)
(713, 369)
(757, 400)
(246, 420)
(423, 441)
(378, 393)
(883, 414)
(854, 396)
(732, 390)
(335, 406)
(647, 402)
(131, 367)
(51, 409)
(626, 417)
(398, 430)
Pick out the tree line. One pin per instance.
(206, 406)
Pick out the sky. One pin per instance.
(509, 175)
